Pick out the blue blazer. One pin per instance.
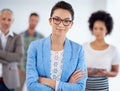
(38, 64)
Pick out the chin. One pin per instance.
(99, 38)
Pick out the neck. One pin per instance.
(5, 32)
(99, 42)
(57, 42)
(31, 32)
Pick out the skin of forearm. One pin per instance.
(49, 82)
(104, 73)
(91, 72)
(111, 74)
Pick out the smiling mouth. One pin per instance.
(61, 30)
(5, 26)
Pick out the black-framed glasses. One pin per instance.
(65, 22)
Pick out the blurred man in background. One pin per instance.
(28, 36)
(11, 52)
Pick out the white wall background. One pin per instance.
(79, 32)
(83, 8)
(113, 7)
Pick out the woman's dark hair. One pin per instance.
(101, 16)
(63, 5)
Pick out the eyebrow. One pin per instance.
(61, 18)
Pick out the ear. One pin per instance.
(50, 20)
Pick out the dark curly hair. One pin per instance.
(63, 5)
(101, 16)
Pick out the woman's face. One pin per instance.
(99, 29)
(61, 22)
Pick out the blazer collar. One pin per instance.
(8, 43)
(46, 57)
(10, 33)
(9, 36)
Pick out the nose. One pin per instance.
(61, 24)
(7, 21)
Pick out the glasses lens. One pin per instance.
(66, 22)
(56, 21)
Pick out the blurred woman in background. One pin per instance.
(101, 57)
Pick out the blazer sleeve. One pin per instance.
(32, 73)
(3, 61)
(80, 86)
(13, 56)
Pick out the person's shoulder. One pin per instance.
(114, 51)
(23, 33)
(85, 44)
(38, 44)
(75, 45)
(16, 35)
(112, 47)
(40, 34)
(38, 41)
(35, 43)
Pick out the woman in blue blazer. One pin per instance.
(56, 63)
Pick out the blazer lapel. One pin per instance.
(46, 57)
(1, 44)
(66, 61)
(8, 42)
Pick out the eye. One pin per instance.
(9, 20)
(101, 29)
(3, 18)
(94, 28)
(67, 21)
(57, 19)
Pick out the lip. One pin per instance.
(5, 25)
(61, 30)
(97, 35)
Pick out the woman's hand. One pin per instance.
(92, 71)
(101, 72)
(76, 76)
(96, 72)
(114, 71)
